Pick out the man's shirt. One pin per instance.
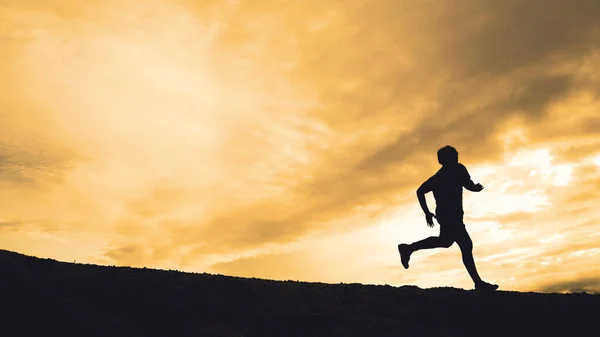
(446, 185)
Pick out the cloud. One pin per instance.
(528, 89)
(513, 217)
(475, 131)
(9, 225)
(590, 285)
(286, 266)
(496, 38)
(22, 165)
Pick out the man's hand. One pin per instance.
(471, 186)
(429, 218)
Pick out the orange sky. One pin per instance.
(286, 139)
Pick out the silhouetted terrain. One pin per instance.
(43, 297)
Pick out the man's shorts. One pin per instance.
(453, 228)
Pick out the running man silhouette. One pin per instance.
(447, 185)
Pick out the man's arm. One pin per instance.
(427, 186)
(467, 182)
(471, 186)
(421, 191)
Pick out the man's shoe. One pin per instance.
(404, 254)
(486, 287)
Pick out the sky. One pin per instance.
(286, 139)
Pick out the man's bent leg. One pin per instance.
(429, 243)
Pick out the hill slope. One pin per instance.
(50, 298)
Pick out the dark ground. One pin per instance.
(43, 297)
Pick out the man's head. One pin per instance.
(447, 155)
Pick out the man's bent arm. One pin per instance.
(471, 186)
(466, 181)
(421, 196)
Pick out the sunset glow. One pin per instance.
(286, 139)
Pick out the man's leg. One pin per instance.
(466, 248)
(429, 243)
